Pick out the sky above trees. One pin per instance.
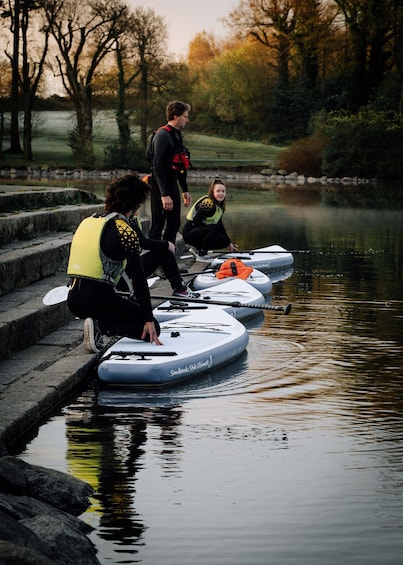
(186, 18)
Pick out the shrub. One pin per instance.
(303, 156)
(130, 157)
(367, 144)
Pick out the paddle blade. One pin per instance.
(56, 295)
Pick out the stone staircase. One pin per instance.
(41, 353)
(34, 249)
(42, 358)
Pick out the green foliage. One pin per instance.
(367, 144)
(130, 156)
(81, 147)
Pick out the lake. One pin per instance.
(293, 454)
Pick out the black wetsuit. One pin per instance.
(204, 236)
(90, 298)
(164, 182)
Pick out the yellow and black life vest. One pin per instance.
(208, 204)
(87, 259)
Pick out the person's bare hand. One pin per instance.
(167, 203)
(150, 333)
(187, 199)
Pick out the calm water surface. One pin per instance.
(293, 454)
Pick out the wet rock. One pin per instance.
(54, 487)
(38, 516)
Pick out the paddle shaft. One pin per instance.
(234, 304)
(257, 252)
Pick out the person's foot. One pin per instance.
(93, 342)
(186, 293)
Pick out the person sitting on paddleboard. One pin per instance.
(105, 246)
(204, 228)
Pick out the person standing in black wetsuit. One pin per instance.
(103, 246)
(170, 161)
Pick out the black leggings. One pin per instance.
(165, 259)
(205, 237)
(116, 315)
(161, 218)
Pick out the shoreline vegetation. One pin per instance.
(272, 176)
(235, 160)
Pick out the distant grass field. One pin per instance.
(50, 145)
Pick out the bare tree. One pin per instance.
(84, 34)
(139, 48)
(12, 10)
(35, 44)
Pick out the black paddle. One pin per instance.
(235, 304)
(257, 251)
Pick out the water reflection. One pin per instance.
(294, 452)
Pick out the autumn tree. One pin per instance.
(294, 32)
(234, 98)
(201, 51)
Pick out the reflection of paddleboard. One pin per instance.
(193, 345)
(230, 290)
(271, 258)
(257, 279)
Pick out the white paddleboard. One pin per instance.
(271, 258)
(193, 345)
(233, 290)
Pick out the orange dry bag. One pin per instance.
(234, 268)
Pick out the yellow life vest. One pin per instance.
(87, 259)
(208, 205)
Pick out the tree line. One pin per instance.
(323, 77)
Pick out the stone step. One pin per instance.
(13, 198)
(24, 319)
(23, 226)
(34, 381)
(22, 263)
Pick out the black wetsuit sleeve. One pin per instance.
(204, 209)
(120, 241)
(164, 149)
(145, 242)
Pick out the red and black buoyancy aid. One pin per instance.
(180, 160)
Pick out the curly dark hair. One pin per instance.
(125, 193)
